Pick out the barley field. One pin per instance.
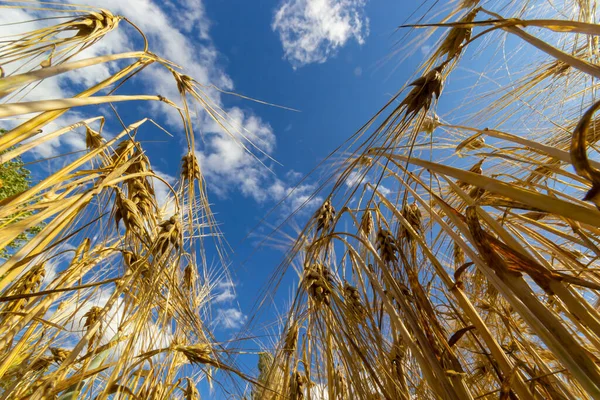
(454, 254)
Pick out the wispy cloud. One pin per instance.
(230, 318)
(312, 30)
(226, 292)
(227, 165)
(227, 315)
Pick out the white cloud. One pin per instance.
(384, 190)
(227, 165)
(230, 318)
(301, 198)
(227, 317)
(226, 292)
(312, 30)
(355, 178)
(293, 175)
(188, 14)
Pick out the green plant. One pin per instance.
(14, 179)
